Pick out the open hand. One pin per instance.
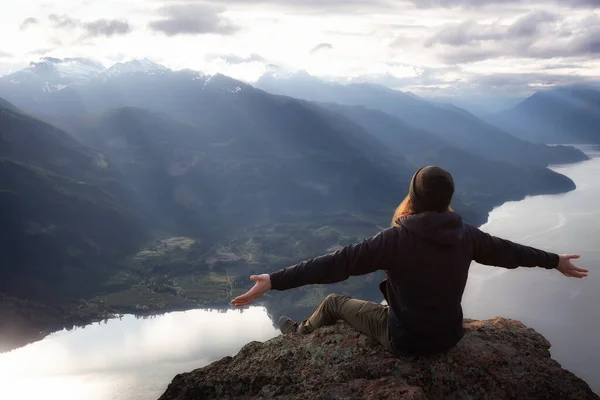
(262, 285)
(568, 269)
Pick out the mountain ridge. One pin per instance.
(222, 104)
(66, 226)
(561, 115)
(246, 179)
(461, 128)
(478, 180)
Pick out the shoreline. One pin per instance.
(25, 336)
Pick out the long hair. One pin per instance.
(407, 208)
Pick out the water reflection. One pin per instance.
(564, 310)
(129, 358)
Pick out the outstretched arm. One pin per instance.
(491, 250)
(377, 252)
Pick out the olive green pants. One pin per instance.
(365, 316)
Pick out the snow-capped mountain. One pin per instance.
(55, 74)
(144, 66)
(72, 69)
(74, 86)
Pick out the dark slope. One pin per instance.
(458, 127)
(35, 142)
(5, 105)
(481, 184)
(251, 124)
(294, 165)
(63, 220)
(211, 158)
(565, 115)
(45, 89)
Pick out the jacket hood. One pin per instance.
(445, 228)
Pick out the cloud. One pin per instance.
(4, 54)
(460, 3)
(317, 6)
(460, 83)
(469, 55)
(362, 6)
(235, 59)
(562, 66)
(27, 22)
(537, 35)
(99, 27)
(468, 86)
(321, 47)
(63, 21)
(359, 6)
(486, 3)
(465, 33)
(108, 28)
(518, 82)
(531, 24)
(193, 19)
(418, 76)
(470, 31)
(588, 43)
(42, 51)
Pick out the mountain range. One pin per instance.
(99, 163)
(64, 211)
(455, 125)
(561, 115)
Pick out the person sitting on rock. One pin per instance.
(426, 254)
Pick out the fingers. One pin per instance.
(258, 290)
(580, 272)
(241, 301)
(572, 271)
(246, 298)
(250, 294)
(580, 269)
(576, 274)
(567, 268)
(243, 297)
(241, 304)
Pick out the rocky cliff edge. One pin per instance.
(497, 359)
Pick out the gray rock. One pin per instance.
(497, 359)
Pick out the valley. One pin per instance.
(160, 159)
(146, 190)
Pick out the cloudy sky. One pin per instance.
(427, 46)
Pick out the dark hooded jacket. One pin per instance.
(427, 261)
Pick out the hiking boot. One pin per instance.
(287, 325)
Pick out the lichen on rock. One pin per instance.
(497, 359)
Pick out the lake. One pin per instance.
(565, 310)
(129, 359)
(135, 358)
